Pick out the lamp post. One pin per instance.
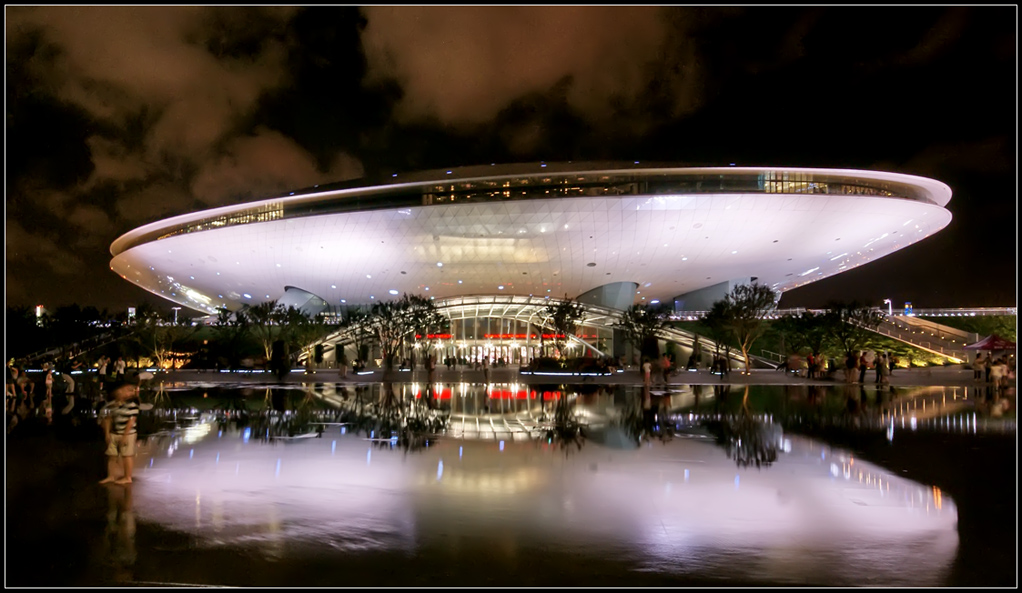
(176, 309)
(890, 310)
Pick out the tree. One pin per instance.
(361, 333)
(299, 329)
(852, 325)
(741, 313)
(425, 319)
(806, 330)
(564, 317)
(263, 321)
(393, 321)
(643, 324)
(160, 339)
(230, 331)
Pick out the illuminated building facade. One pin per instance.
(608, 235)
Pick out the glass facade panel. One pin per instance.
(565, 185)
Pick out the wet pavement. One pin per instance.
(847, 502)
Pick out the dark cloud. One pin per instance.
(464, 65)
(118, 116)
(145, 112)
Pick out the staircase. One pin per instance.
(929, 336)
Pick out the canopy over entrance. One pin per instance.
(992, 342)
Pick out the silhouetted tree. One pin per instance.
(852, 326)
(564, 317)
(643, 324)
(394, 321)
(806, 330)
(263, 322)
(230, 331)
(742, 313)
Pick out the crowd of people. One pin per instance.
(999, 372)
(60, 389)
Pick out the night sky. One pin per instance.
(119, 116)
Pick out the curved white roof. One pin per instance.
(670, 243)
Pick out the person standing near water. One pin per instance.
(119, 427)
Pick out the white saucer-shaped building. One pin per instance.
(607, 234)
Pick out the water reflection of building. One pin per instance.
(682, 508)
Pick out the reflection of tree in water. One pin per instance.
(413, 424)
(746, 440)
(644, 419)
(566, 429)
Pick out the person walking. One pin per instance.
(877, 363)
(863, 365)
(665, 366)
(647, 369)
(119, 427)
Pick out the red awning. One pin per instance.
(992, 342)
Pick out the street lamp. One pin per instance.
(890, 310)
(176, 309)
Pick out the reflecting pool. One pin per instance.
(690, 484)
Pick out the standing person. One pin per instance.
(27, 389)
(486, 370)
(877, 363)
(891, 362)
(119, 427)
(986, 367)
(863, 365)
(430, 370)
(11, 385)
(647, 368)
(811, 369)
(978, 366)
(851, 364)
(665, 366)
(49, 382)
(998, 369)
(69, 392)
(103, 362)
(119, 367)
(885, 372)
